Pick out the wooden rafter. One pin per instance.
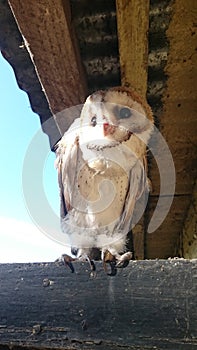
(132, 23)
(52, 46)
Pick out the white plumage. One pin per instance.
(101, 163)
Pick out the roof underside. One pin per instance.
(91, 60)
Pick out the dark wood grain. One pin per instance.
(148, 305)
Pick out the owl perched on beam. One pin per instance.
(102, 172)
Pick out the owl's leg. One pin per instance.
(83, 254)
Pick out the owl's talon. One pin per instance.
(122, 264)
(68, 262)
(113, 268)
(124, 259)
(92, 266)
(109, 258)
(70, 265)
(91, 263)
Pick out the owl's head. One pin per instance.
(116, 114)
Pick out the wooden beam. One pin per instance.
(165, 242)
(178, 126)
(133, 23)
(49, 36)
(46, 306)
(189, 244)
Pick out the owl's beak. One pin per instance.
(108, 129)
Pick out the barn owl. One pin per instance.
(102, 172)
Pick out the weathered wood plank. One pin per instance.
(150, 304)
(132, 23)
(52, 46)
(190, 229)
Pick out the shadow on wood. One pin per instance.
(150, 304)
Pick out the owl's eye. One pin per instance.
(124, 113)
(93, 121)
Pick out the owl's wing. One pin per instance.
(137, 193)
(66, 163)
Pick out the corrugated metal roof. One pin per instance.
(96, 30)
(160, 14)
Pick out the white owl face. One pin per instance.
(113, 115)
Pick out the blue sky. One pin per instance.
(21, 235)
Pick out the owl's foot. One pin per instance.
(115, 261)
